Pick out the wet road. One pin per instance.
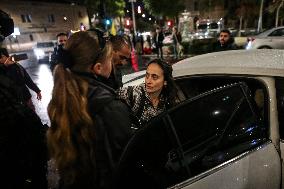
(41, 75)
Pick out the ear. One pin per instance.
(97, 68)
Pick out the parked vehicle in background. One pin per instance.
(226, 132)
(43, 50)
(270, 39)
(209, 28)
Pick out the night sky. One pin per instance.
(57, 1)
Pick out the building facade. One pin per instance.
(41, 21)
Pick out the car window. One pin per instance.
(279, 32)
(224, 121)
(44, 45)
(194, 86)
(213, 25)
(176, 145)
(202, 26)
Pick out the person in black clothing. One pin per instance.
(90, 126)
(61, 40)
(121, 55)
(23, 151)
(21, 78)
(225, 42)
(176, 41)
(158, 41)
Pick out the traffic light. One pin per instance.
(107, 21)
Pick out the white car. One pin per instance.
(43, 50)
(226, 132)
(270, 39)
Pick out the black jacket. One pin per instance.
(23, 153)
(115, 79)
(113, 129)
(54, 56)
(230, 45)
(158, 40)
(22, 80)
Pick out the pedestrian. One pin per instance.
(22, 148)
(225, 42)
(61, 40)
(176, 36)
(90, 126)
(121, 56)
(158, 93)
(22, 79)
(158, 41)
(23, 153)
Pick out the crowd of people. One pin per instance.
(91, 119)
(92, 115)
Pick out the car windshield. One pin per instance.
(44, 45)
(202, 26)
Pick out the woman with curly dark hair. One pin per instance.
(89, 125)
(158, 93)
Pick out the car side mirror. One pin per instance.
(19, 57)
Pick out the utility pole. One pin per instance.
(259, 27)
(133, 15)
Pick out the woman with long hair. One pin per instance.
(158, 93)
(89, 125)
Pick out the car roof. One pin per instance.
(267, 32)
(260, 62)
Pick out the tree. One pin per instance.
(275, 8)
(107, 8)
(246, 11)
(164, 7)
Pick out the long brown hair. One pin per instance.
(71, 135)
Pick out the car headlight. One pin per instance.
(38, 52)
(249, 45)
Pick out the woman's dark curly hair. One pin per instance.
(169, 90)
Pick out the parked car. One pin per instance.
(226, 132)
(270, 39)
(43, 50)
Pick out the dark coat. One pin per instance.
(230, 45)
(21, 79)
(159, 40)
(177, 38)
(113, 129)
(23, 153)
(54, 56)
(115, 79)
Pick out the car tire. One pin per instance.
(265, 47)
